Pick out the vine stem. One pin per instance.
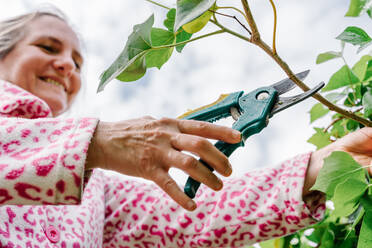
(255, 39)
(158, 4)
(191, 40)
(275, 23)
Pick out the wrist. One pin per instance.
(314, 166)
(95, 156)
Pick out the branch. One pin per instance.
(234, 17)
(255, 34)
(257, 41)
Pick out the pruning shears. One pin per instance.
(250, 111)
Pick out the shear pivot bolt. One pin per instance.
(262, 96)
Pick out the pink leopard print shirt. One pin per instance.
(42, 203)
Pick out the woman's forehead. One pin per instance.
(54, 27)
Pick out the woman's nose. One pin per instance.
(64, 65)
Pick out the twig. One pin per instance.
(234, 17)
(338, 119)
(275, 22)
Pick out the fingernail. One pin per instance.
(219, 184)
(228, 170)
(237, 134)
(191, 205)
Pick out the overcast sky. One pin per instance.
(209, 67)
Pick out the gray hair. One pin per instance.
(13, 30)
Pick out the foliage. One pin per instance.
(348, 94)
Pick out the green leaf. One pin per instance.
(323, 57)
(341, 78)
(140, 52)
(279, 242)
(361, 67)
(182, 35)
(356, 7)
(171, 18)
(157, 57)
(130, 59)
(352, 125)
(337, 168)
(188, 10)
(335, 96)
(134, 70)
(317, 111)
(198, 24)
(347, 195)
(320, 139)
(339, 129)
(327, 239)
(367, 104)
(355, 36)
(368, 75)
(365, 237)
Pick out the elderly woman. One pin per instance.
(48, 200)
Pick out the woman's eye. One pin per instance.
(77, 65)
(47, 48)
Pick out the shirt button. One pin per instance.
(52, 234)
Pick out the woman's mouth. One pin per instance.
(51, 81)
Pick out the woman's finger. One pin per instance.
(194, 168)
(205, 150)
(209, 130)
(164, 181)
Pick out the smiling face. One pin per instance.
(46, 62)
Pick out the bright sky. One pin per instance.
(210, 67)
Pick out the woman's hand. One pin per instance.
(148, 148)
(358, 144)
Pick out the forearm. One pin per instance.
(257, 206)
(43, 159)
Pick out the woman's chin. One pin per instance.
(57, 107)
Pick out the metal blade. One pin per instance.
(287, 84)
(286, 102)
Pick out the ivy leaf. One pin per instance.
(367, 103)
(131, 59)
(356, 7)
(188, 10)
(320, 139)
(159, 37)
(347, 195)
(317, 111)
(341, 78)
(337, 168)
(181, 35)
(361, 67)
(355, 36)
(365, 237)
(323, 57)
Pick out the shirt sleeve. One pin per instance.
(42, 160)
(257, 206)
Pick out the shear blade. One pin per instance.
(287, 84)
(286, 102)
